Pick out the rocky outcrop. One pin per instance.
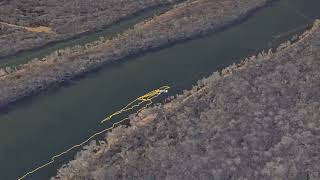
(186, 20)
(255, 120)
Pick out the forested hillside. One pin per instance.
(65, 18)
(186, 20)
(255, 120)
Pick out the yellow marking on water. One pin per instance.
(145, 98)
(38, 29)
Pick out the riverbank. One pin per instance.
(32, 24)
(255, 120)
(184, 21)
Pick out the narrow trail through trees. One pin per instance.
(39, 29)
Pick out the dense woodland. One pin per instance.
(255, 120)
(185, 20)
(66, 18)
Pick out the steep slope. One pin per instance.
(20, 20)
(256, 120)
(185, 20)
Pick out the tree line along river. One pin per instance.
(36, 128)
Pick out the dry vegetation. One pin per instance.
(38, 29)
(256, 120)
(185, 20)
(64, 17)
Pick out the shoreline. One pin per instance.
(63, 65)
(230, 119)
(86, 33)
(46, 39)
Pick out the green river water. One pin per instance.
(107, 32)
(34, 129)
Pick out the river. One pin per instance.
(34, 129)
(87, 37)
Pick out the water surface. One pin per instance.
(87, 37)
(34, 129)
